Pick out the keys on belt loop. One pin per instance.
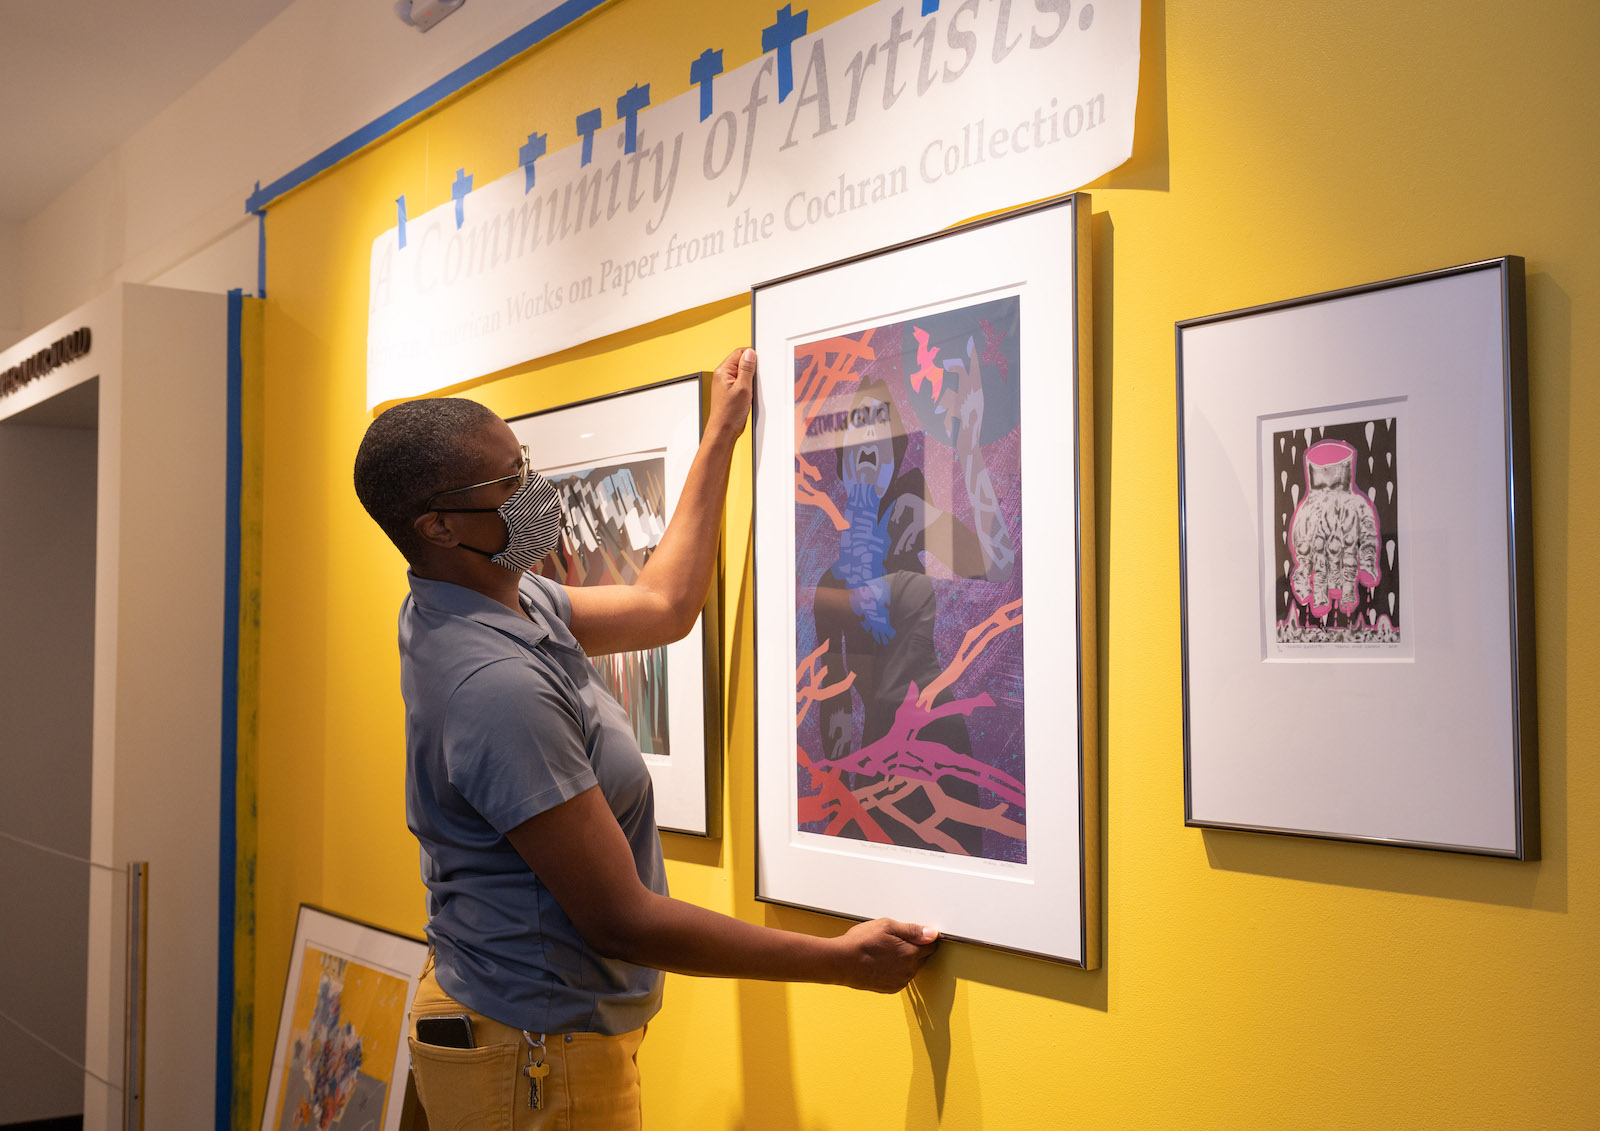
(536, 1069)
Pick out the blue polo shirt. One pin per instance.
(506, 718)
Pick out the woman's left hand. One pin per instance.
(732, 387)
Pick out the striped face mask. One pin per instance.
(533, 524)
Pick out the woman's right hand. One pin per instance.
(883, 955)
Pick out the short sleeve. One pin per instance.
(514, 744)
(551, 596)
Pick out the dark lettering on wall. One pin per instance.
(52, 357)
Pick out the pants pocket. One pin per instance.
(466, 1089)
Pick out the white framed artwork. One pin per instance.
(924, 589)
(341, 1058)
(1357, 582)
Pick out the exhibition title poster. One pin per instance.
(894, 122)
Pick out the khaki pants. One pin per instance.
(593, 1084)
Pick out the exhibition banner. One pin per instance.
(894, 122)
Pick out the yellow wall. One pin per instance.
(1285, 148)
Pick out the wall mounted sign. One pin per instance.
(1356, 557)
(36, 365)
(883, 126)
(924, 597)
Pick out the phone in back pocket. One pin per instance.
(452, 1032)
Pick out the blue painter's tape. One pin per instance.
(707, 67)
(628, 107)
(503, 52)
(400, 209)
(785, 29)
(526, 156)
(588, 126)
(458, 193)
(227, 827)
(929, 7)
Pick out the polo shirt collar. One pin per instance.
(457, 600)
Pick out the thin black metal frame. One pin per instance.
(1519, 552)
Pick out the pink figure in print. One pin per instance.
(1333, 536)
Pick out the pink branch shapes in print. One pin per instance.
(905, 767)
(902, 754)
(811, 689)
(805, 491)
(975, 641)
(1333, 536)
(822, 365)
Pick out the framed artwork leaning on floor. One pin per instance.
(619, 464)
(924, 586)
(341, 1059)
(1356, 560)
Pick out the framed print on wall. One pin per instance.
(924, 599)
(1356, 565)
(341, 1058)
(619, 463)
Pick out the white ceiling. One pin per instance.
(79, 76)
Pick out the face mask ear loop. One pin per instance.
(490, 554)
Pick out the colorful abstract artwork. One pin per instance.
(908, 573)
(614, 517)
(925, 737)
(1335, 497)
(345, 1027)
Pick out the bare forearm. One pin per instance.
(578, 850)
(680, 570)
(669, 934)
(663, 602)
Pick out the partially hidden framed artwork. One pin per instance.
(1356, 577)
(924, 598)
(341, 1059)
(619, 463)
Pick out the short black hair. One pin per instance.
(410, 453)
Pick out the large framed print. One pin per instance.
(341, 1058)
(1356, 573)
(924, 597)
(619, 463)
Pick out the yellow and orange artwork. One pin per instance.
(345, 1027)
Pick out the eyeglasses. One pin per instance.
(524, 469)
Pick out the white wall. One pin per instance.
(164, 778)
(168, 205)
(155, 382)
(11, 269)
(47, 509)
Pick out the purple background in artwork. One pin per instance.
(996, 732)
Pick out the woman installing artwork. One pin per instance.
(549, 917)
